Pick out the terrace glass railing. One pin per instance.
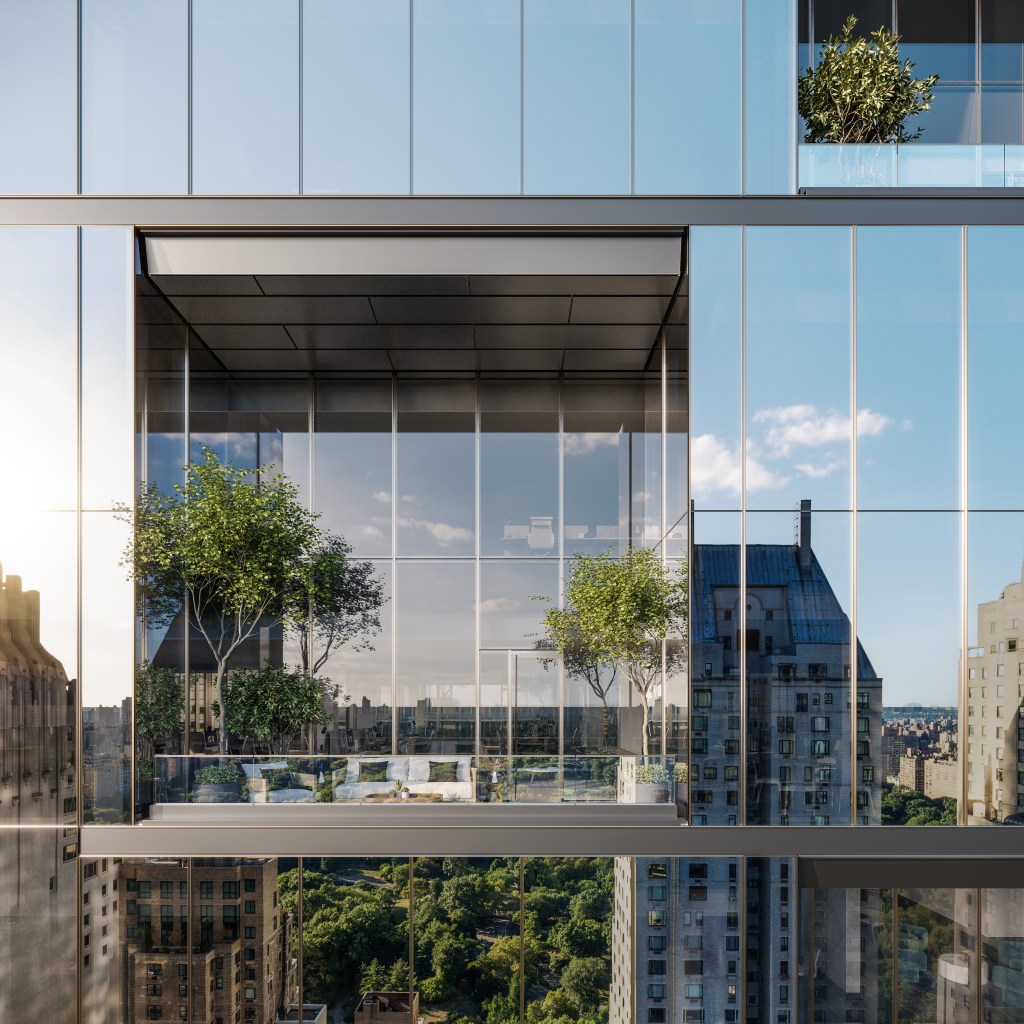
(415, 779)
(913, 165)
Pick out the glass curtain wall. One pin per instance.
(465, 499)
(586, 97)
(807, 530)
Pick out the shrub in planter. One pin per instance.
(651, 775)
(218, 775)
(681, 772)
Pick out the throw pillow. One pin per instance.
(442, 771)
(373, 771)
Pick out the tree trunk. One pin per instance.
(646, 709)
(223, 739)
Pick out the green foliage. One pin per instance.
(583, 980)
(218, 775)
(651, 774)
(159, 705)
(373, 977)
(271, 704)
(236, 549)
(860, 91)
(902, 806)
(627, 612)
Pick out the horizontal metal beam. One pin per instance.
(911, 872)
(481, 835)
(509, 213)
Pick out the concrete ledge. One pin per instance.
(399, 815)
(558, 833)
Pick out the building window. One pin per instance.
(658, 870)
(229, 890)
(656, 991)
(702, 698)
(657, 968)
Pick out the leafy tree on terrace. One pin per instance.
(860, 92)
(159, 706)
(236, 550)
(271, 704)
(629, 612)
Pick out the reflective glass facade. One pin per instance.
(560, 307)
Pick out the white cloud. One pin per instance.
(793, 426)
(384, 497)
(584, 444)
(372, 533)
(716, 467)
(494, 605)
(443, 533)
(817, 472)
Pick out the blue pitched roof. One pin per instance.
(816, 616)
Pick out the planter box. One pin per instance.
(651, 793)
(218, 793)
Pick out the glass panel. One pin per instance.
(908, 370)
(361, 719)
(1002, 114)
(567, 959)
(847, 935)
(514, 597)
(245, 83)
(252, 422)
(932, 959)
(355, 96)
(716, 260)
(830, 15)
(467, 911)
(38, 306)
(798, 669)
(686, 140)
(798, 314)
(577, 97)
(715, 736)
(38, 670)
(995, 678)
(436, 657)
(107, 343)
(536, 700)
(467, 88)
(953, 118)
(494, 712)
(519, 468)
(909, 664)
(39, 923)
(939, 37)
(1003, 971)
(39, 66)
(355, 934)
(134, 96)
(103, 909)
(770, 98)
(847, 166)
(677, 448)
(352, 457)
(995, 326)
(1002, 33)
(612, 465)
(950, 166)
(107, 662)
(436, 507)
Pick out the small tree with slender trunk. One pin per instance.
(627, 612)
(235, 550)
(859, 91)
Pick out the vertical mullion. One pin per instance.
(522, 940)
(79, 732)
(742, 616)
(189, 96)
(78, 99)
(854, 649)
(964, 541)
(299, 912)
(632, 97)
(412, 134)
(300, 4)
(522, 97)
(663, 531)
(189, 937)
(394, 562)
(476, 561)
